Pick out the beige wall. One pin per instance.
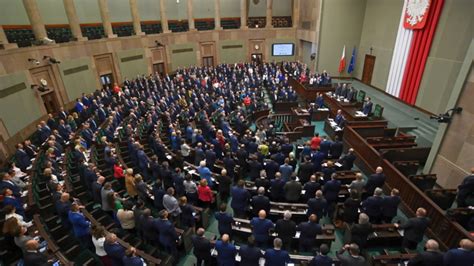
(456, 154)
(380, 36)
(132, 63)
(183, 55)
(78, 77)
(232, 51)
(341, 24)
(452, 38)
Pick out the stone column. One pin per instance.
(164, 20)
(296, 13)
(135, 18)
(190, 16)
(36, 21)
(217, 15)
(104, 14)
(73, 20)
(269, 14)
(243, 14)
(4, 40)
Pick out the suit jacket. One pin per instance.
(310, 189)
(415, 228)
(276, 189)
(286, 229)
(225, 253)
(260, 203)
(317, 206)
(390, 206)
(225, 221)
(373, 206)
(116, 252)
(351, 210)
(309, 230)
(132, 261)
(10, 185)
(260, 228)
(374, 181)
(96, 189)
(249, 256)
(167, 232)
(321, 260)
(427, 258)
(348, 260)
(202, 247)
(275, 257)
(367, 108)
(347, 161)
(336, 149)
(255, 168)
(325, 146)
(79, 223)
(359, 234)
(35, 259)
(305, 171)
(292, 190)
(240, 198)
(459, 257)
(331, 190)
(22, 159)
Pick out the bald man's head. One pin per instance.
(225, 238)
(466, 244)
(379, 170)
(200, 232)
(432, 244)
(262, 214)
(420, 212)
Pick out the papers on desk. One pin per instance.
(333, 124)
(323, 109)
(192, 171)
(401, 232)
(338, 128)
(360, 114)
(169, 157)
(324, 165)
(24, 193)
(346, 100)
(338, 164)
(297, 235)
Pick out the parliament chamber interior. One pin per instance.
(237, 132)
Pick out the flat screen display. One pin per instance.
(283, 49)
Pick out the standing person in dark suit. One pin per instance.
(33, 256)
(331, 192)
(317, 205)
(360, 232)
(305, 170)
(225, 181)
(255, 167)
(311, 187)
(430, 257)
(414, 229)
(462, 256)
(309, 230)
(325, 146)
(351, 259)
(367, 106)
(322, 259)
(21, 157)
(97, 188)
(335, 150)
(390, 206)
(250, 254)
(293, 190)
(224, 220)
(373, 206)
(374, 181)
(225, 252)
(276, 188)
(202, 248)
(114, 250)
(260, 228)
(286, 230)
(347, 160)
(277, 256)
(167, 233)
(240, 199)
(260, 202)
(351, 208)
(465, 190)
(131, 258)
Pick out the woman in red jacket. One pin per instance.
(118, 174)
(205, 194)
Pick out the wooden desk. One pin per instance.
(309, 93)
(300, 113)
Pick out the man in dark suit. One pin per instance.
(9, 199)
(351, 259)
(360, 231)
(335, 150)
(21, 157)
(375, 180)
(224, 220)
(260, 228)
(276, 188)
(63, 206)
(260, 202)
(311, 187)
(97, 188)
(305, 170)
(114, 250)
(33, 256)
(331, 192)
(271, 168)
(414, 229)
(226, 251)
(322, 259)
(317, 205)
(430, 257)
(131, 258)
(255, 168)
(277, 256)
(8, 183)
(372, 206)
(167, 233)
(325, 145)
(143, 162)
(347, 160)
(390, 206)
(462, 256)
(225, 181)
(465, 190)
(202, 248)
(293, 190)
(250, 254)
(286, 229)
(240, 199)
(308, 232)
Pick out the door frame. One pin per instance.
(53, 88)
(372, 57)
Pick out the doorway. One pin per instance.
(208, 61)
(50, 102)
(106, 80)
(159, 68)
(369, 64)
(257, 58)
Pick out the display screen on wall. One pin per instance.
(283, 49)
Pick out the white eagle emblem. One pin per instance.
(416, 10)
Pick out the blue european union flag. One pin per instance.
(352, 63)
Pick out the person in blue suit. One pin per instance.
(205, 173)
(319, 100)
(240, 199)
(224, 220)
(277, 256)
(131, 259)
(317, 205)
(114, 250)
(317, 159)
(250, 254)
(143, 162)
(375, 180)
(63, 206)
(336, 148)
(8, 183)
(367, 107)
(390, 206)
(21, 157)
(462, 256)
(331, 192)
(167, 233)
(372, 206)
(10, 199)
(308, 232)
(325, 145)
(80, 226)
(226, 251)
(260, 228)
(322, 259)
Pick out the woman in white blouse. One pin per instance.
(10, 211)
(98, 238)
